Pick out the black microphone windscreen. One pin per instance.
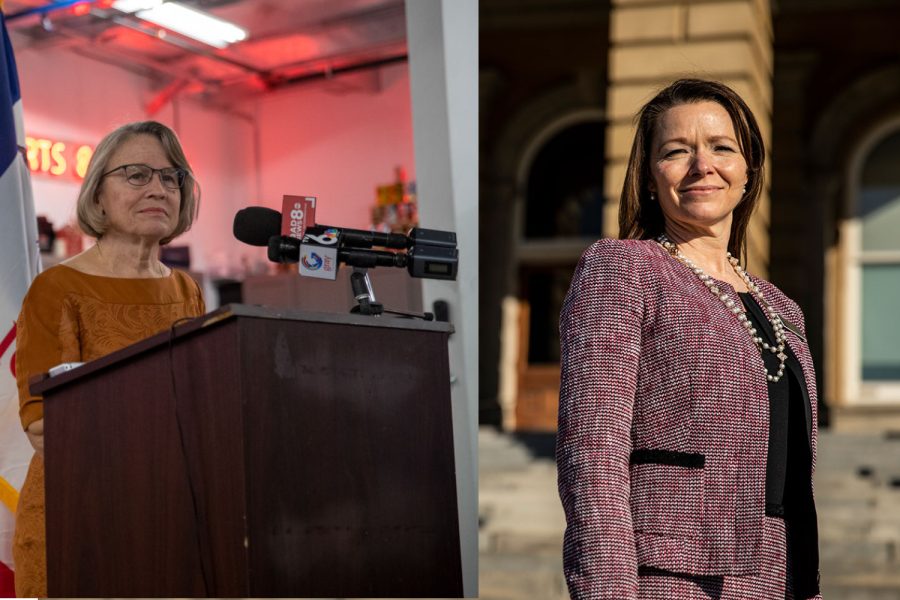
(254, 225)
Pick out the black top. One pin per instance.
(789, 462)
(782, 394)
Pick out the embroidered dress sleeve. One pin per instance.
(46, 335)
(198, 301)
(201, 303)
(600, 333)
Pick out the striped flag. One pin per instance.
(19, 263)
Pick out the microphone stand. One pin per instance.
(364, 294)
(361, 285)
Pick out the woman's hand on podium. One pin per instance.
(35, 433)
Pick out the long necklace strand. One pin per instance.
(735, 308)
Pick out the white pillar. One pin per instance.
(442, 37)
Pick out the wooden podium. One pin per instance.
(256, 452)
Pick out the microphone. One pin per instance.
(430, 253)
(254, 225)
(366, 239)
(286, 249)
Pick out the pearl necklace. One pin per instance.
(736, 309)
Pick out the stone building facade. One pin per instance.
(560, 83)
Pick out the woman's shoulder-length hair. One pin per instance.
(90, 215)
(641, 217)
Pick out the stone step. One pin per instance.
(520, 538)
(848, 556)
(858, 593)
(499, 452)
(861, 586)
(521, 576)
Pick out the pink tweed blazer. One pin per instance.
(663, 422)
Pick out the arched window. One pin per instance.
(565, 185)
(559, 212)
(563, 214)
(878, 260)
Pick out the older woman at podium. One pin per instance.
(138, 193)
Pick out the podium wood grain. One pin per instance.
(258, 453)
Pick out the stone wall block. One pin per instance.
(614, 177)
(737, 18)
(624, 100)
(611, 218)
(641, 3)
(618, 140)
(653, 23)
(660, 62)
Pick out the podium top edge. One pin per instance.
(39, 384)
(293, 314)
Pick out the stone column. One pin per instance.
(656, 41)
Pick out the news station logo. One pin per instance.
(318, 261)
(298, 214)
(313, 262)
(329, 237)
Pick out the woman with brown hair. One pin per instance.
(138, 193)
(687, 423)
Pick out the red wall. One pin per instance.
(335, 139)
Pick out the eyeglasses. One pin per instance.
(140, 175)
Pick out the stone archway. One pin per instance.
(503, 189)
(854, 121)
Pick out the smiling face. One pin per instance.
(697, 170)
(149, 211)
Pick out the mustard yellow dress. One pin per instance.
(70, 316)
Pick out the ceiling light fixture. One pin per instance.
(130, 6)
(189, 22)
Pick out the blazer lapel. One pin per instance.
(793, 360)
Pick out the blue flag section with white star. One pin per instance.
(19, 263)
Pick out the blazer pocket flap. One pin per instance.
(667, 499)
(689, 460)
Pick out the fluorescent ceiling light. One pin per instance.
(192, 23)
(130, 6)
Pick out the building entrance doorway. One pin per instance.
(561, 215)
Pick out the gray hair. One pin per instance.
(90, 215)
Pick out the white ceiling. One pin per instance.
(289, 41)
